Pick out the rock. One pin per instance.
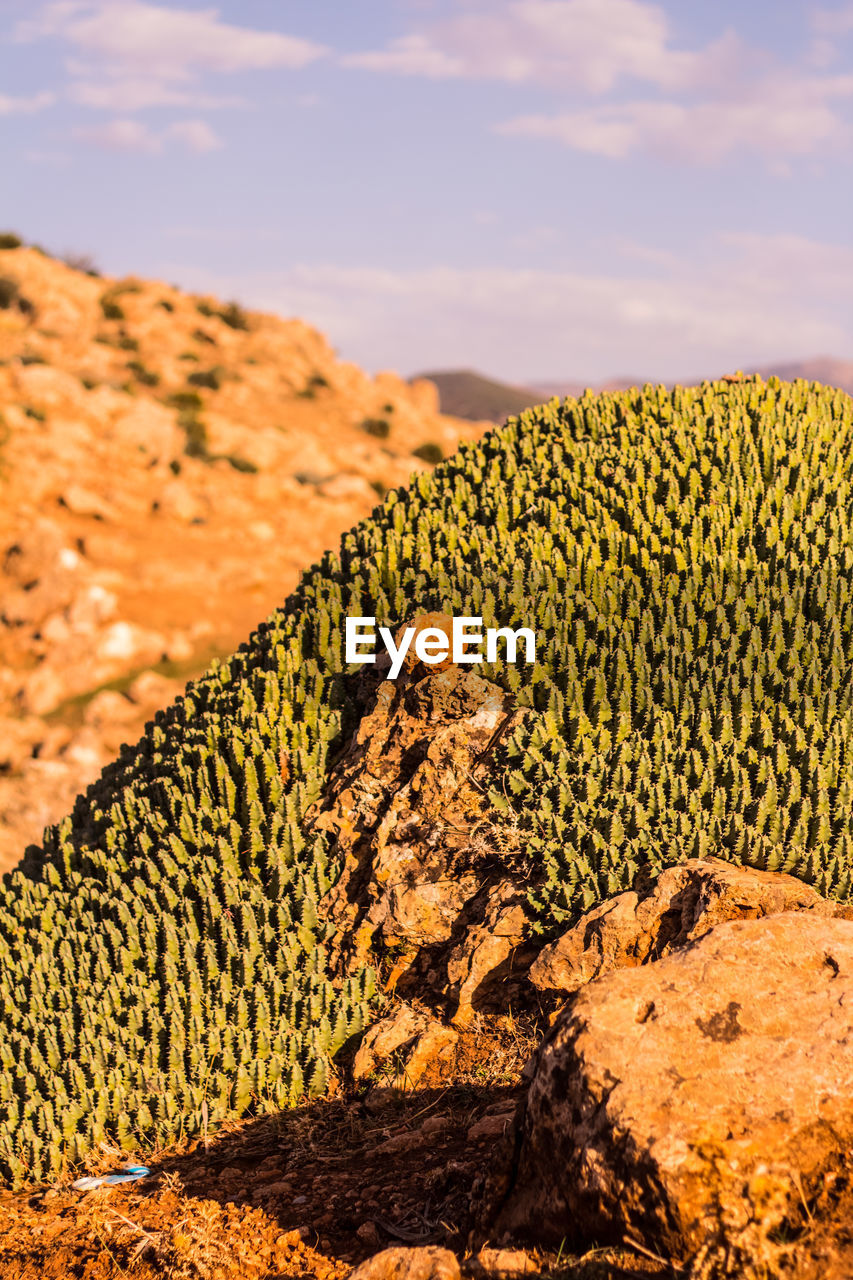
(86, 502)
(490, 1127)
(402, 1047)
(685, 902)
(407, 813)
(428, 1263)
(368, 1233)
(440, 622)
(502, 1264)
(693, 1102)
(35, 549)
(480, 962)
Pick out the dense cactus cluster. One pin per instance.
(687, 563)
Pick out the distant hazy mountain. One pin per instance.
(825, 369)
(476, 397)
(466, 394)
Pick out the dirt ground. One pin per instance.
(310, 1193)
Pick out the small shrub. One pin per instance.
(32, 357)
(429, 452)
(111, 309)
(166, 304)
(81, 262)
(9, 293)
(210, 378)
(11, 296)
(186, 401)
(379, 488)
(195, 431)
(380, 428)
(146, 376)
(240, 463)
(35, 414)
(175, 467)
(314, 384)
(234, 316)
(201, 336)
(205, 309)
(388, 408)
(8, 240)
(188, 355)
(126, 343)
(89, 383)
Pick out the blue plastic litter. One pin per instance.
(133, 1172)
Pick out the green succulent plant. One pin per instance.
(686, 561)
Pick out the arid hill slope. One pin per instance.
(168, 466)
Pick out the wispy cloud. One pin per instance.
(590, 44)
(629, 87)
(168, 43)
(134, 136)
(834, 22)
(130, 95)
(128, 55)
(25, 106)
(779, 119)
(740, 299)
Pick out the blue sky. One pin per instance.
(540, 189)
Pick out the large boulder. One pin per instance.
(683, 904)
(696, 1102)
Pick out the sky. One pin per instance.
(537, 189)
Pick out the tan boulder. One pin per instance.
(400, 1049)
(483, 959)
(693, 1103)
(427, 1263)
(685, 902)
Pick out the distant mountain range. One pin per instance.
(467, 394)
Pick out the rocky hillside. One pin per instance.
(168, 466)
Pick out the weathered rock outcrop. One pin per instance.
(695, 1102)
(411, 823)
(685, 902)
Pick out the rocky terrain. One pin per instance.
(632, 1098)
(168, 466)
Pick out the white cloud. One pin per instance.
(129, 55)
(780, 118)
(588, 44)
(410, 56)
(133, 136)
(747, 300)
(834, 22)
(122, 135)
(128, 95)
(167, 43)
(196, 135)
(25, 106)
